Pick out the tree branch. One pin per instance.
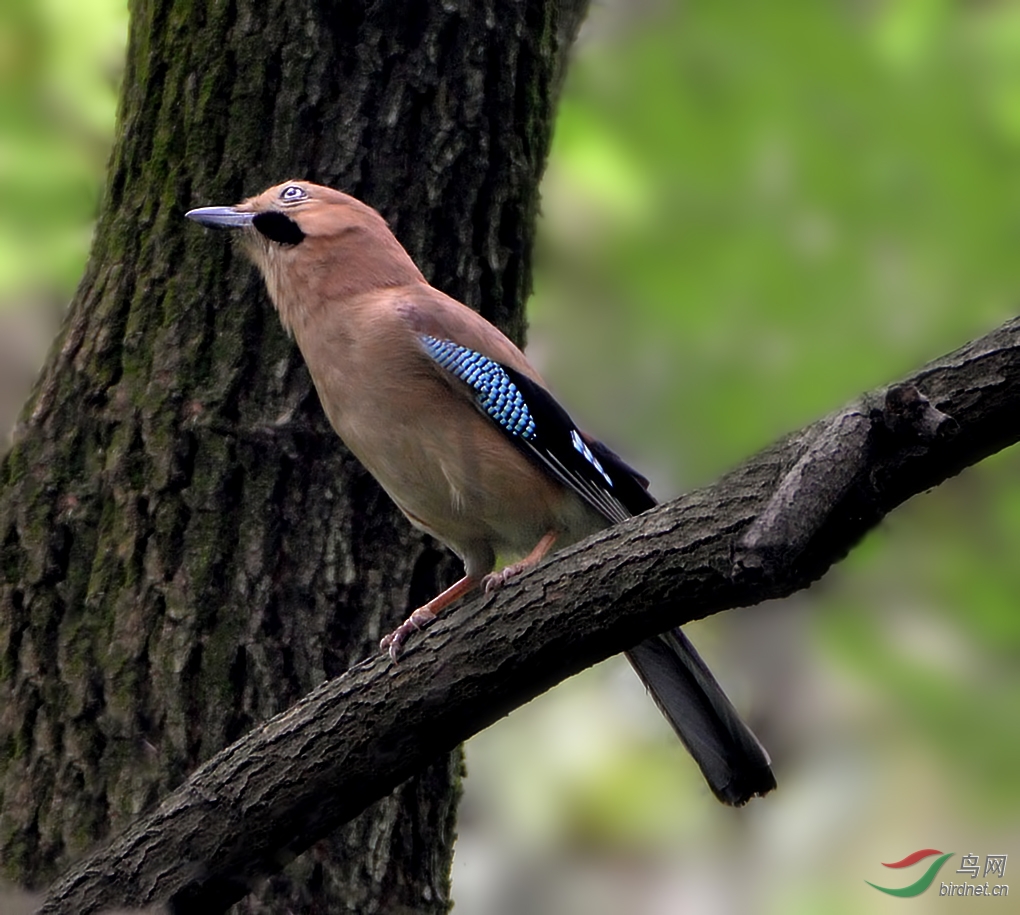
(767, 529)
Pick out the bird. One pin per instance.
(461, 431)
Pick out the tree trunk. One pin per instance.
(185, 546)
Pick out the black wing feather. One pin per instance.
(590, 468)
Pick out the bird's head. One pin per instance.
(314, 245)
(286, 214)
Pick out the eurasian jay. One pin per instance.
(474, 449)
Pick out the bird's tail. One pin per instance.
(734, 763)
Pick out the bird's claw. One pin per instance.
(495, 580)
(393, 643)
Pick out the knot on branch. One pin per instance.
(851, 452)
(908, 413)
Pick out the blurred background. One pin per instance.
(753, 212)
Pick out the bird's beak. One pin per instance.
(221, 217)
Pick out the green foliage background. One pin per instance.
(60, 61)
(753, 212)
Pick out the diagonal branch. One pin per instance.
(767, 529)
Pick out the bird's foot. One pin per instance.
(394, 642)
(495, 580)
(425, 615)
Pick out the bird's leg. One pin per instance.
(495, 580)
(426, 614)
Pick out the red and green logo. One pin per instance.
(918, 887)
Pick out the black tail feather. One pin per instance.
(734, 763)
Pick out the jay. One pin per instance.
(474, 450)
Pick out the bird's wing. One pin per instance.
(532, 420)
(479, 360)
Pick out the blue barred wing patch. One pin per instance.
(497, 395)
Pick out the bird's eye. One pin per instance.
(292, 193)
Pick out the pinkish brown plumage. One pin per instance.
(459, 429)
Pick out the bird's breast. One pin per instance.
(447, 466)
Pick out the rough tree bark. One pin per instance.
(185, 547)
